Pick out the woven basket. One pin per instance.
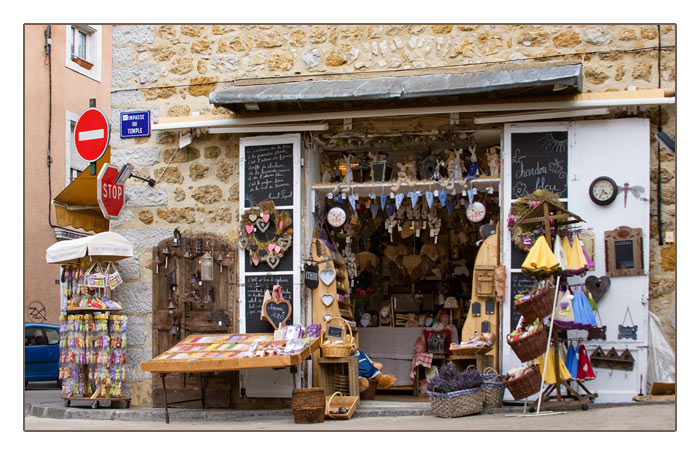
(338, 350)
(309, 405)
(526, 384)
(493, 387)
(539, 305)
(532, 346)
(341, 407)
(457, 404)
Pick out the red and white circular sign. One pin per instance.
(92, 134)
(110, 195)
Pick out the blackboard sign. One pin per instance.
(277, 313)
(269, 174)
(334, 332)
(519, 282)
(255, 287)
(539, 161)
(517, 256)
(624, 254)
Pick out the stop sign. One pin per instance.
(110, 195)
(92, 134)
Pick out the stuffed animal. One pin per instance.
(372, 370)
(493, 158)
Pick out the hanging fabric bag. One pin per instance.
(585, 368)
(95, 279)
(114, 279)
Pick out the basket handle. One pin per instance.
(488, 369)
(328, 403)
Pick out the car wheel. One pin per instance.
(59, 383)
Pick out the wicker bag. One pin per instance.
(457, 404)
(337, 350)
(493, 387)
(309, 405)
(526, 384)
(531, 346)
(539, 305)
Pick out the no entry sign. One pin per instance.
(92, 134)
(110, 195)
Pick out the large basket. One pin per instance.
(341, 407)
(532, 346)
(539, 305)
(526, 384)
(309, 405)
(457, 404)
(338, 350)
(493, 387)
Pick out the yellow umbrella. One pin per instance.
(550, 376)
(573, 260)
(540, 258)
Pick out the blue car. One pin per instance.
(41, 352)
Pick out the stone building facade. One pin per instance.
(171, 69)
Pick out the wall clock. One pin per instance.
(336, 217)
(476, 212)
(603, 190)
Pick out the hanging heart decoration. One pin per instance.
(382, 199)
(327, 316)
(597, 286)
(374, 208)
(270, 235)
(327, 299)
(429, 198)
(327, 276)
(442, 197)
(277, 312)
(414, 196)
(398, 199)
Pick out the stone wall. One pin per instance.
(171, 69)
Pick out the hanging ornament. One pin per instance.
(442, 197)
(450, 206)
(429, 198)
(382, 199)
(413, 196)
(374, 208)
(398, 199)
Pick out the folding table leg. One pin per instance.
(165, 397)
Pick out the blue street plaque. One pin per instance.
(135, 124)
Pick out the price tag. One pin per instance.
(330, 196)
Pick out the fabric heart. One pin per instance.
(252, 217)
(389, 210)
(278, 249)
(398, 199)
(281, 225)
(429, 198)
(271, 247)
(327, 276)
(256, 261)
(249, 229)
(243, 242)
(266, 217)
(353, 200)
(413, 195)
(598, 286)
(262, 224)
(374, 208)
(327, 299)
(442, 197)
(382, 199)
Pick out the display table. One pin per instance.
(212, 353)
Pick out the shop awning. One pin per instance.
(400, 90)
(77, 207)
(109, 246)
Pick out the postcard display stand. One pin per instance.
(92, 338)
(550, 214)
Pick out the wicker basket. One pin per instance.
(493, 387)
(341, 407)
(471, 350)
(526, 384)
(457, 404)
(337, 350)
(532, 346)
(309, 405)
(538, 306)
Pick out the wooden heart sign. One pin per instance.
(327, 276)
(598, 286)
(277, 313)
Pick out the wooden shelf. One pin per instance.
(366, 188)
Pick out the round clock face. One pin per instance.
(336, 217)
(603, 190)
(476, 212)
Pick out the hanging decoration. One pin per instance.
(265, 233)
(627, 331)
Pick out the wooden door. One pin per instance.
(183, 305)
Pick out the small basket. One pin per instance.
(337, 350)
(526, 384)
(539, 305)
(457, 404)
(340, 407)
(532, 346)
(493, 387)
(309, 405)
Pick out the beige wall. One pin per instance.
(69, 91)
(171, 69)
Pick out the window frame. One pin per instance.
(93, 50)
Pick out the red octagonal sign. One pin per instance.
(92, 134)
(110, 195)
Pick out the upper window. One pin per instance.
(84, 50)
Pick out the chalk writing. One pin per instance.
(269, 174)
(255, 286)
(539, 161)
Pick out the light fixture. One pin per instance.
(540, 115)
(177, 238)
(451, 304)
(126, 171)
(665, 140)
(207, 267)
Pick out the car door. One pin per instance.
(54, 352)
(36, 354)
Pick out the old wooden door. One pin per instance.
(187, 300)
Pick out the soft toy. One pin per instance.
(372, 370)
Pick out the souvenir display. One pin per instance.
(265, 233)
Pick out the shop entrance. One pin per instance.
(403, 219)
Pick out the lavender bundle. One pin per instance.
(449, 380)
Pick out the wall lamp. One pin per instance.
(126, 171)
